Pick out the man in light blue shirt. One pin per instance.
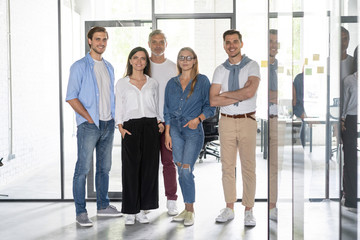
(90, 93)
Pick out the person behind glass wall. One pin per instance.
(298, 103)
(139, 122)
(186, 106)
(346, 64)
(349, 136)
(273, 123)
(162, 69)
(234, 87)
(346, 68)
(90, 93)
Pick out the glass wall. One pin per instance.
(30, 145)
(304, 155)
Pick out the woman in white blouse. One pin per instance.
(137, 116)
(349, 121)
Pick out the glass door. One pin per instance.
(123, 37)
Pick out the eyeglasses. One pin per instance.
(187, 58)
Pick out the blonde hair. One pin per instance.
(194, 71)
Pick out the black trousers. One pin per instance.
(140, 165)
(350, 161)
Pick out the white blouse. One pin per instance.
(350, 95)
(133, 103)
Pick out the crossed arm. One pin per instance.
(231, 97)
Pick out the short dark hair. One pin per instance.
(129, 67)
(94, 30)
(273, 31)
(231, 32)
(344, 30)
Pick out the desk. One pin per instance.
(308, 121)
(311, 121)
(264, 130)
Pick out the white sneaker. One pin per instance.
(130, 219)
(189, 219)
(171, 206)
(342, 201)
(180, 217)
(249, 219)
(225, 215)
(273, 214)
(141, 217)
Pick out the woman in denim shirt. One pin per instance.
(186, 106)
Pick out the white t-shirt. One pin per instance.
(162, 73)
(132, 103)
(103, 82)
(221, 76)
(350, 95)
(346, 67)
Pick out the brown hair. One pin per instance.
(94, 30)
(129, 67)
(231, 32)
(194, 71)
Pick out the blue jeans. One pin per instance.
(89, 137)
(186, 146)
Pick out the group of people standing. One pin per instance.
(158, 107)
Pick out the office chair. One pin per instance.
(211, 134)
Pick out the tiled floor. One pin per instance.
(312, 220)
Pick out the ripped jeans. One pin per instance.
(186, 146)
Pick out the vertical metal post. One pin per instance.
(233, 19)
(62, 184)
(9, 75)
(154, 19)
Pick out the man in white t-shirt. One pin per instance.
(233, 89)
(346, 64)
(162, 69)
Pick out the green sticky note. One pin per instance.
(308, 71)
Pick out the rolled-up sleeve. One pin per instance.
(74, 83)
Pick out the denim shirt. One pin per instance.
(83, 86)
(178, 106)
(298, 109)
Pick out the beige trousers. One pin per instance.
(238, 135)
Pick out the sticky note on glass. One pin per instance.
(320, 69)
(308, 71)
(264, 63)
(306, 61)
(316, 57)
(280, 69)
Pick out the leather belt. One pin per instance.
(246, 115)
(273, 116)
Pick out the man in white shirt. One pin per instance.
(346, 64)
(162, 69)
(234, 87)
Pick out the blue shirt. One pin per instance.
(177, 105)
(83, 86)
(273, 79)
(298, 109)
